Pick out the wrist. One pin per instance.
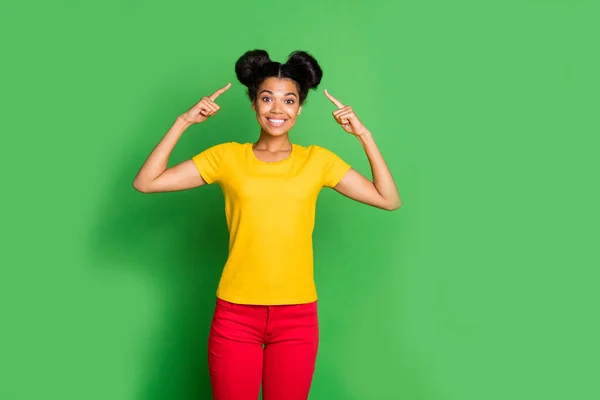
(365, 137)
(181, 121)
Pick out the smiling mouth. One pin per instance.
(276, 121)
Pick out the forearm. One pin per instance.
(157, 161)
(382, 177)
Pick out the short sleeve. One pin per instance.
(209, 162)
(334, 167)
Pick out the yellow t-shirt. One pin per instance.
(270, 212)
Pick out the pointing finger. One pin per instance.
(219, 92)
(342, 110)
(334, 100)
(346, 115)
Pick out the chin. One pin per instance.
(278, 132)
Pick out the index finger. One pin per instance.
(334, 100)
(219, 92)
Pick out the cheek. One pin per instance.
(260, 109)
(293, 110)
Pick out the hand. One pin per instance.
(205, 108)
(346, 117)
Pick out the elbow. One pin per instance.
(141, 187)
(391, 206)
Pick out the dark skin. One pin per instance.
(277, 107)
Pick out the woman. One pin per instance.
(265, 325)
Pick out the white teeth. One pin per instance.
(276, 121)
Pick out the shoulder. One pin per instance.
(314, 150)
(233, 147)
(229, 146)
(321, 153)
(221, 149)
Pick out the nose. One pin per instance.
(276, 108)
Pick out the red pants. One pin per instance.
(275, 345)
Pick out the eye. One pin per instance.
(266, 98)
(290, 101)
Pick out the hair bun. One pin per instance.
(248, 66)
(254, 66)
(308, 68)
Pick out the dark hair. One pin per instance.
(254, 66)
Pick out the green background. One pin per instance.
(483, 286)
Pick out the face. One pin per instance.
(277, 105)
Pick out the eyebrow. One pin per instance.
(288, 93)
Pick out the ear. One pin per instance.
(253, 106)
(299, 110)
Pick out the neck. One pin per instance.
(273, 143)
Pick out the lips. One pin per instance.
(276, 122)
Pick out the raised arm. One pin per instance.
(381, 192)
(154, 176)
